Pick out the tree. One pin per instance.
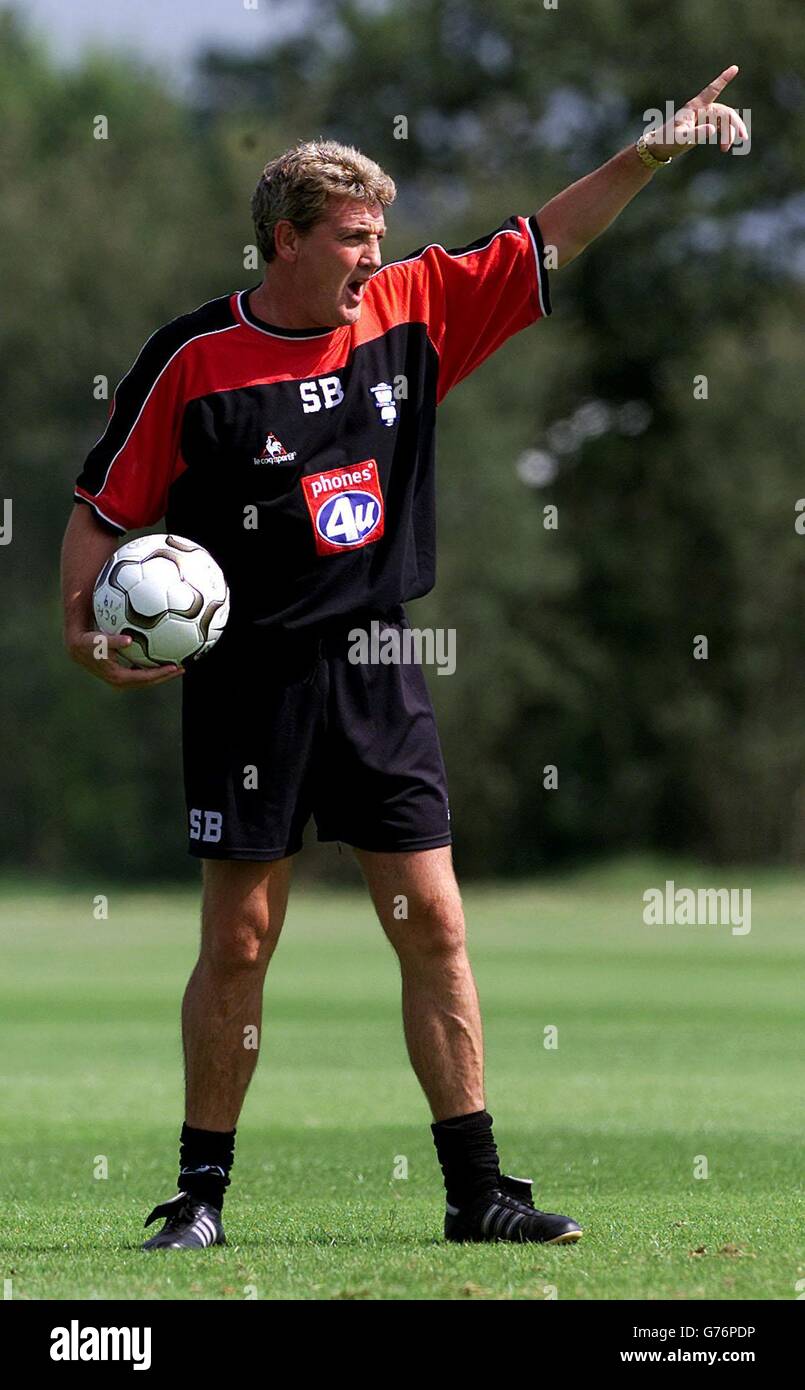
(675, 496)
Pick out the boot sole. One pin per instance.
(569, 1238)
(149, 1248)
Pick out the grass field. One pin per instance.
(674, 1042)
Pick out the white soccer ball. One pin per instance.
(167, 594)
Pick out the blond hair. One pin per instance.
(296, 185)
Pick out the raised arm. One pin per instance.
(581, 212)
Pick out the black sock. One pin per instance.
(468, 1156)
(205, 1158)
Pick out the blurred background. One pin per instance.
(676, 513)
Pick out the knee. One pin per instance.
(242, 943)
(434, 927)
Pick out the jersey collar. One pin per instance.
(273, 330)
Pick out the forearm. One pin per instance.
(85, 549)
(585, 209)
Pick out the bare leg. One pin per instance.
(441, 1017)
(243, 909)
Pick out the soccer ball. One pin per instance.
(167, 594)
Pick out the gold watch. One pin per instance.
(650, 160)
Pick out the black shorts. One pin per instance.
(279, 727)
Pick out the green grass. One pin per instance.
(673, 1042)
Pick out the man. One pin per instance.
(264, 426)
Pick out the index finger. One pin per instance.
(709, 93)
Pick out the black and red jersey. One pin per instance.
(304, 459)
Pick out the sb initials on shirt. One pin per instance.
(345, 507)
(327, 389)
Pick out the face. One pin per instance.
(334, 260)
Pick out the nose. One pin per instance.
(374, 257)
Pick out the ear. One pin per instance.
(286, 241)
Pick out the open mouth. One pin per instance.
(355, 290)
